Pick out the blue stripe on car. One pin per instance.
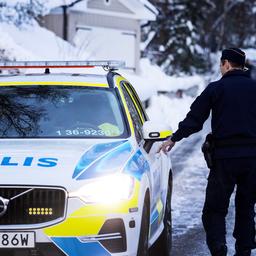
(94, 154)
(111, 162)
(154, 222)
(71, 246)
(137, 165)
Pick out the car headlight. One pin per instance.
(109, 189)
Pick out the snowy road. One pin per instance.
(190, 179)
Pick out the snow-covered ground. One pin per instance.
(189, 193)
(32, 42)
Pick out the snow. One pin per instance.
(170, 111)
(150, 6)
(14, 2)
(106, 44)
(34, 43)
(189, 192)
(150, 36)
(50, 3)
(152, 79)
(12, 49)
(250, 54)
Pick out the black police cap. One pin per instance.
(234, 55)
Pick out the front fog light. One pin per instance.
(109, 189)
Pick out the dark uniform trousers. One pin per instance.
(228, 173)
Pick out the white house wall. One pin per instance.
(77, 19)
(106, 44)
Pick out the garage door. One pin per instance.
(96, 43)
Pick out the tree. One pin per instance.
(186, 32)
(20, 13)
(230, 24)
(175, 45)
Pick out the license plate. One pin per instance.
(17, 239)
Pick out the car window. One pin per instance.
(137, 100)
(134, 114)
(57, 111)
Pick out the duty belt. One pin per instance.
(234, 142)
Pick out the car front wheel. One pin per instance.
(144, 232)
(163, 245)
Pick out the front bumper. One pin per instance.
(88, 230)
(41, 249)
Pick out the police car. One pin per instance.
(80, 173)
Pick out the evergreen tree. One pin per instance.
(175, 45)
(186, 31)
(231, 23)
(20, 13)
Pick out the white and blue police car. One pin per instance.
(80, 173)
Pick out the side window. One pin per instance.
(134, 115)
(137, 100)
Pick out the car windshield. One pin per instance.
(58, 111)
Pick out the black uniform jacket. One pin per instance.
(232, 101)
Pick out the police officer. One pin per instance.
(232, 103)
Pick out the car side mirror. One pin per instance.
(153, 132)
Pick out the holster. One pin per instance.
(208, 149)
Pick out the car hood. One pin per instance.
(68, 163)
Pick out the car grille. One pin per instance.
(32, 205)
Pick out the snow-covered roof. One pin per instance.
(140, 9)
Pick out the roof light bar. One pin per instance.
(109, 65)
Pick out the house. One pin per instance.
(104, 29)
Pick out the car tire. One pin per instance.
(144, 232)
(163, 244)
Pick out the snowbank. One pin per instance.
(171, 111)
(250, 54)
(152, 79)
(34, 43)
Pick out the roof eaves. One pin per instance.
(142, 9)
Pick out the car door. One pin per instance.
(139, 116)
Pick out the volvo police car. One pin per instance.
(80, 173)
